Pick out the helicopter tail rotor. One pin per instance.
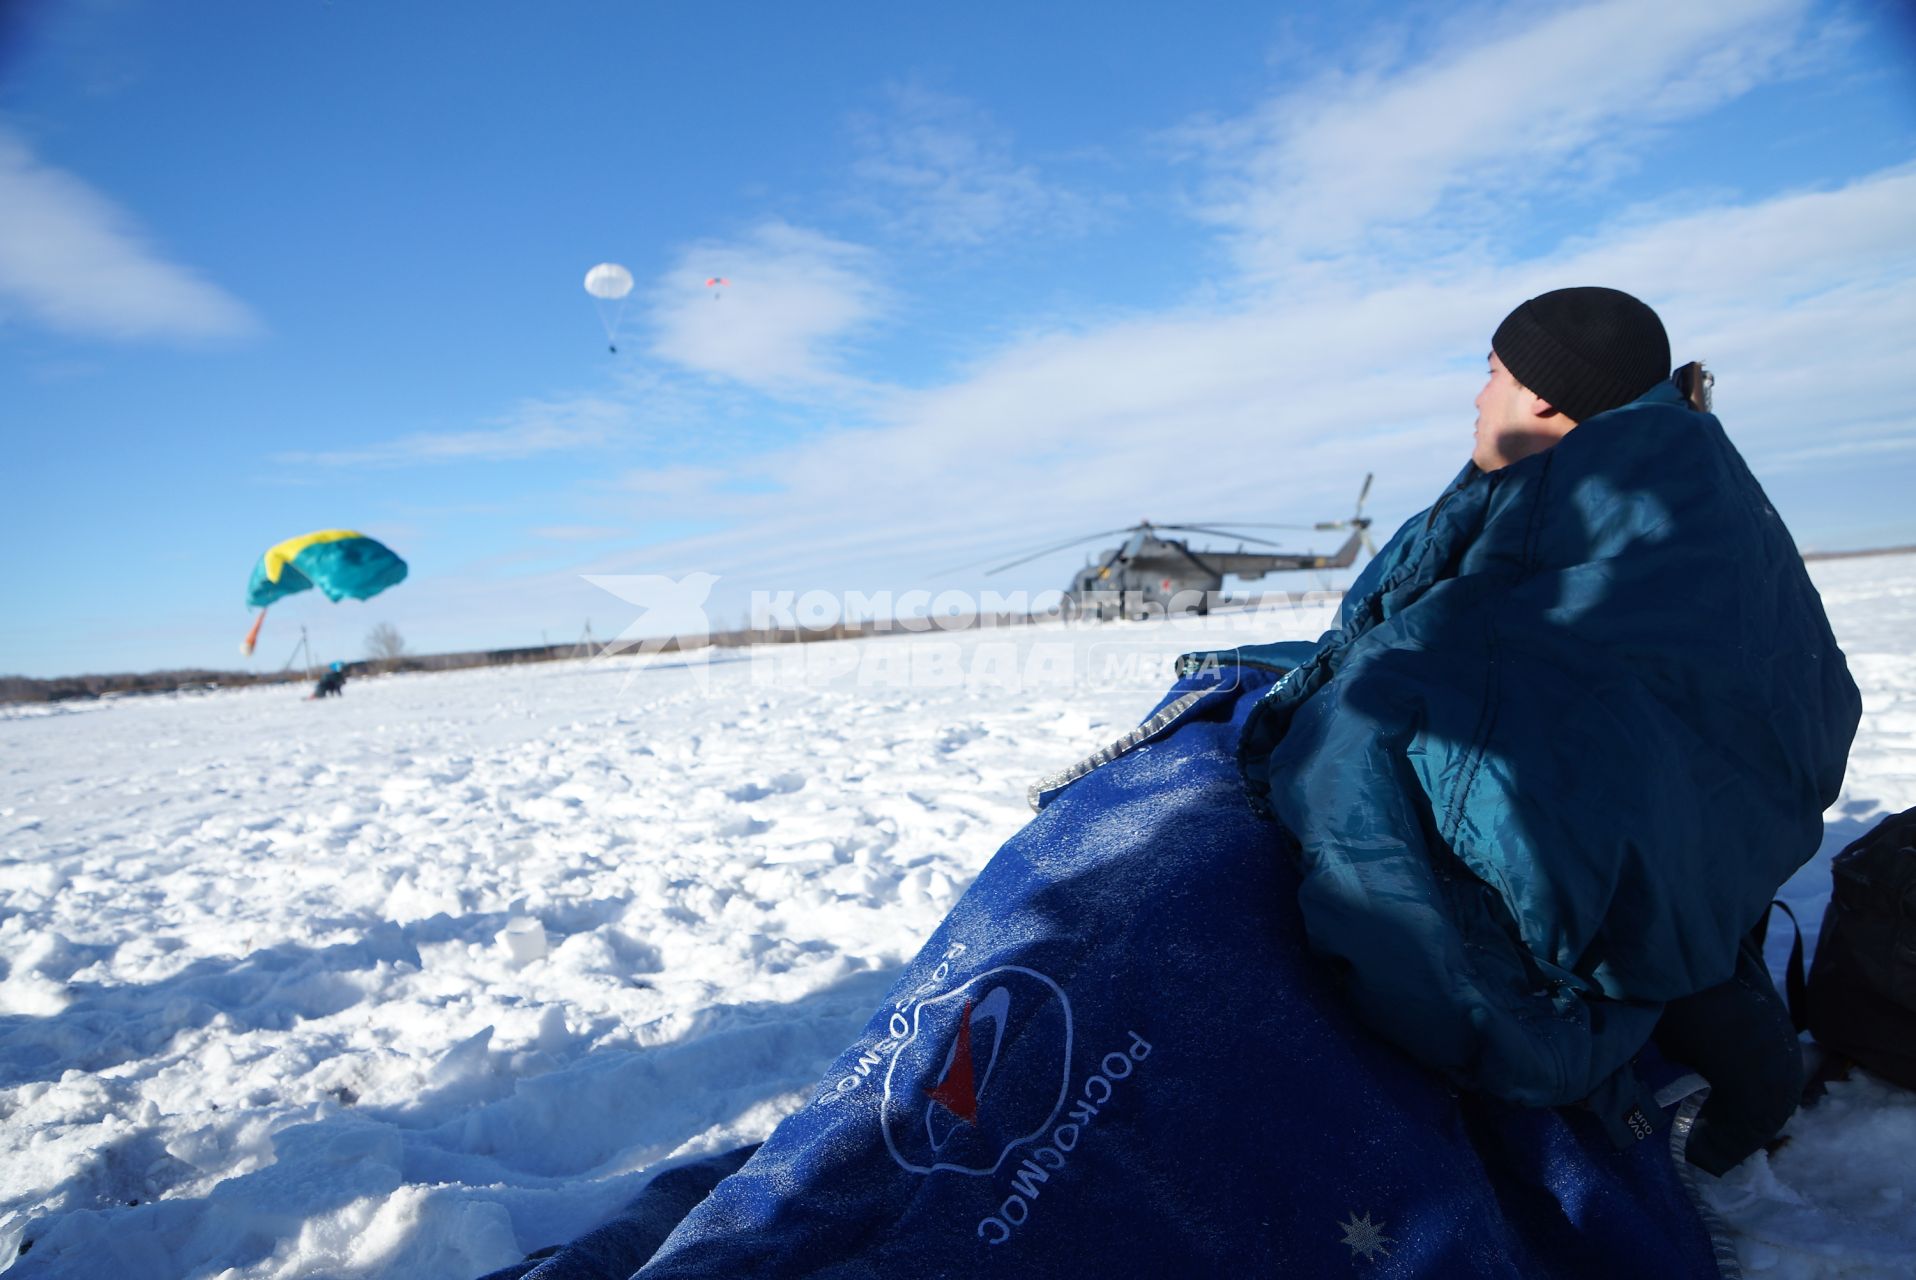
(1357, 519)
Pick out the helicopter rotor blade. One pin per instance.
(969, 564)
(1357, 516)
(1216, 533)
(1012, 564)
(1238, 524)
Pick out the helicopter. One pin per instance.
(1149, 574)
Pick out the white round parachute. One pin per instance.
(609, 284)
(608, 280)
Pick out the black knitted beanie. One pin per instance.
(1584, 350)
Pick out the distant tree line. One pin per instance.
(88, 688)
(390, 656)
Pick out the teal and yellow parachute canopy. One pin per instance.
(339, 562)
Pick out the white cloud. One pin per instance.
(1433, 157)
(71, 260)
(934, 168)
(793, 300)
(534, 427)
(1804, 303)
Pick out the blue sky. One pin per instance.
(1000, 274)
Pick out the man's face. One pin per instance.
(1509, 425)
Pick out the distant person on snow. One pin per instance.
(333, 683)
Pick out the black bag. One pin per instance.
(1740, 1037)
(1862, 985)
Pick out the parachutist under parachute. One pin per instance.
(341, 563)
(610, 285)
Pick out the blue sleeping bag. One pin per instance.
(1117, 1055)
(1579, 722)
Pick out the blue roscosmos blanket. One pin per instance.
(1117, 1055)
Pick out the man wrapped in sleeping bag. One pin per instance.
(1348, 960)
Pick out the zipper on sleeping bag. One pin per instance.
(1189, 666)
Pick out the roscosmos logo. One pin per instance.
(983, 1071)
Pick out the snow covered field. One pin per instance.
(418, 980)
